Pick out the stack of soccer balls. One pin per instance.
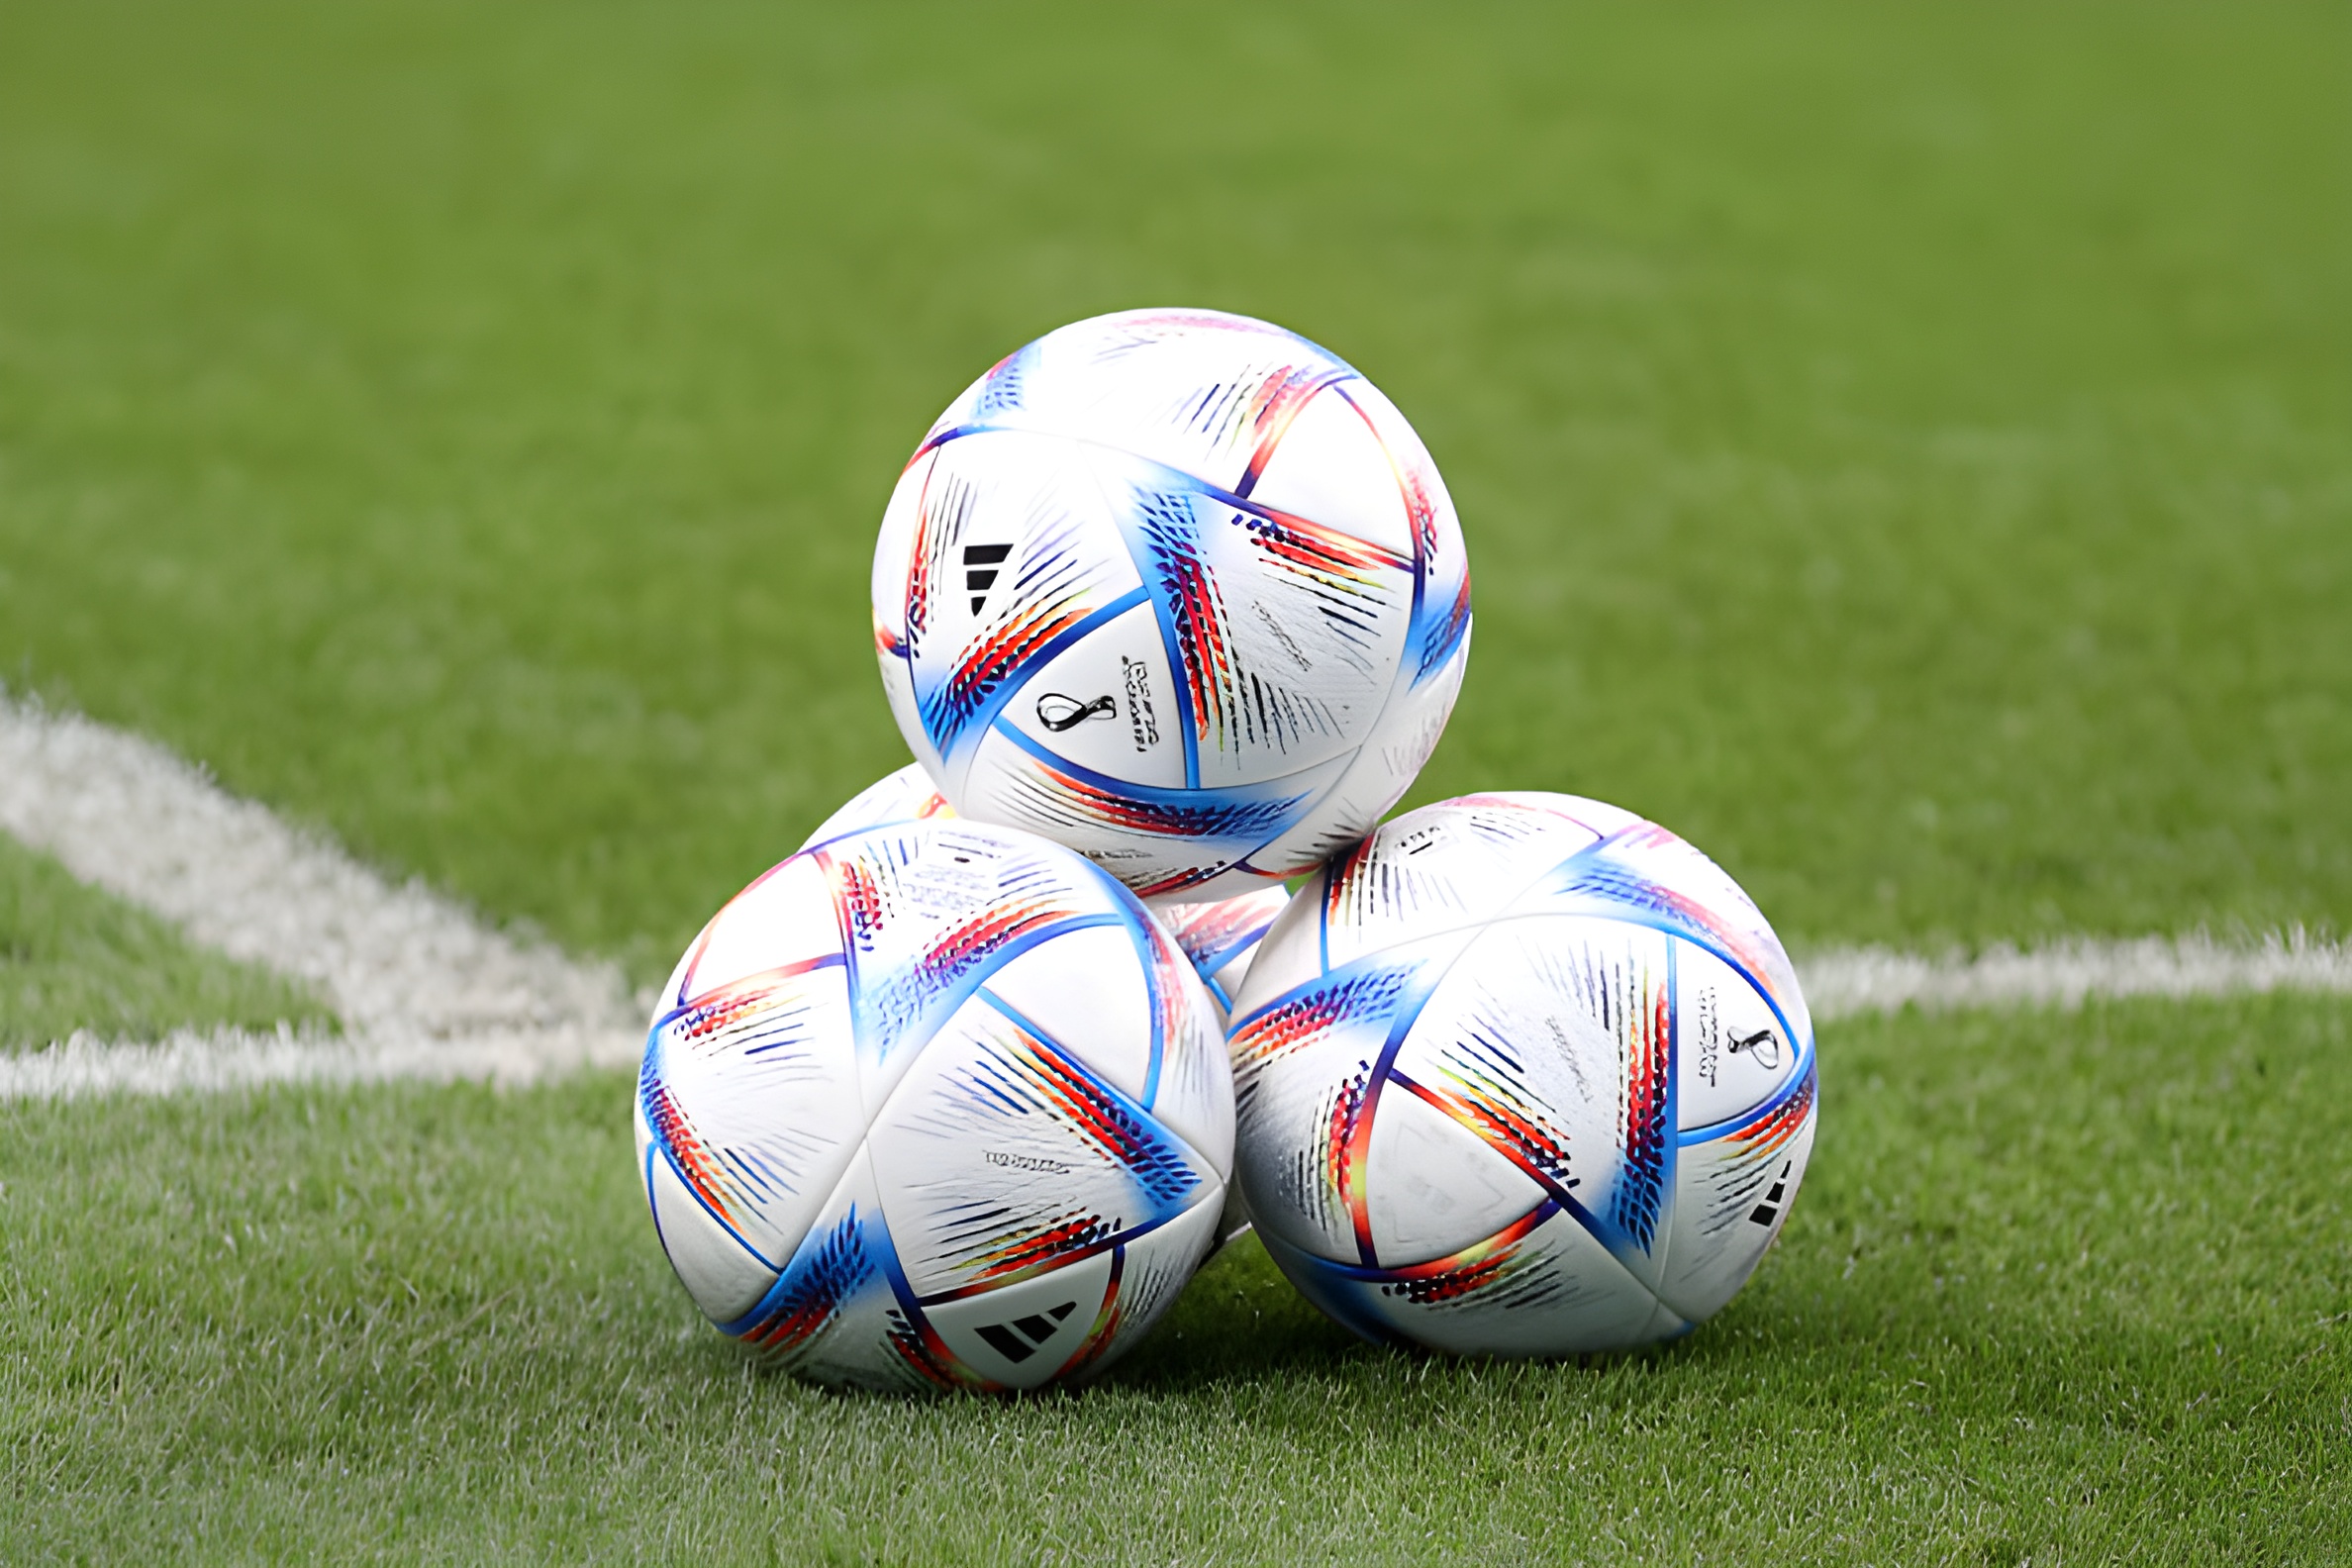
(1171, 607)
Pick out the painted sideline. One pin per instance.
(424, 987)
(427, 989)
(1841, 982)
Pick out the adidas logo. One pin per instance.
(1763, 1214)
(980, 570)
(1009, 1341)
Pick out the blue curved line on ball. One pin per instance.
(1141, 943)
(1171, 1149)
(934, 1009)
(1218, 991)
(1250, 814)
(717, 1219)
(949, 737)
(1761, 1112)
(830, 961)
(1688, 931)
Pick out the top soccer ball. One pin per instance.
(1178, 589)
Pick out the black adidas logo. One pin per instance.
(1012, 1346)
(980, 570)
(1763, 1214)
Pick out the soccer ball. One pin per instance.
(1178, 589)
(934, 1104)
(1221, 937)
(1218, 938)
(906, 795)
(1522, 1075)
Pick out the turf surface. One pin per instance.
(73, 959)
(2061, 1288)
(1907, 449)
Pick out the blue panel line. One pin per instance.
(1259, 794)
(996, 702)
(1749, 1118)
(943, 1006)
(717, 1219)
(830, 961)
(1140, 1110)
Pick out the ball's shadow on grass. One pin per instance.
(1240, 1322)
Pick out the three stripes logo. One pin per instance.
(1018, 1339)
(981, 563)
(1763, 1214)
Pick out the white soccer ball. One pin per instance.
(934, 1104)
(1221, 939)
(1178, 589)
(1522, 1075)
(1218, 938)
(904, 796)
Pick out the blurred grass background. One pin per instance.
(1907, 449)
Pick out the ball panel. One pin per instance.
(1733, 1050)
(1733, 1194)
(1103, 703)
(1025, 1334)
(906, 795)
(1197, 390)
(1376, 778)
(1308, 1070)
(1551, 1037)
(783, 920)
(1149, 1273)
(722, 1275)
(1088, 985)
(1286, 633)
(1016, 556)
(841, 1312)
(902, 559)
(1644, 873)
(1004, 1155)
(750, 1095)
(1441, 611)
(1329, 465)
(1192, 1092)
(931, 910)
(1435, 1186)
(1457, 862)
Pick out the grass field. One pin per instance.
(1908, 450)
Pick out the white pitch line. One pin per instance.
(1843, 982)
(426, 990)
(423, 988)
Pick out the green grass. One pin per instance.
(73, 959)
(1906, 449)
(1909, 450)
(2058, 1288)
